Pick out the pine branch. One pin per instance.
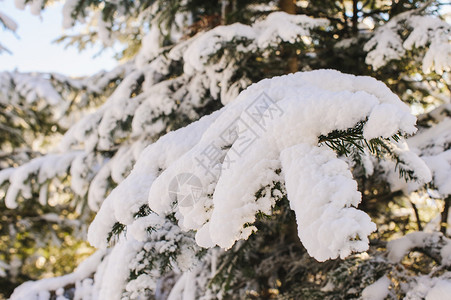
(345, 142)
(117, 229)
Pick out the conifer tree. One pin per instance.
(213, 175)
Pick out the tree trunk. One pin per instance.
(445, 212)
(355, 17)
(227, 7)
(224, 6)
(289, 6)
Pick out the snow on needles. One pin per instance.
(275, 28)
(216, 174)
(425, 31)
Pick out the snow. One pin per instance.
(280, 26)
(116, 271)
(378, 290)
(103, 275)
(33, 87)
(99, 187)
(441, 290)
(400, 247)
(104, 30)
(68, 7)
(80, 172)
(5, 174)
(445, 253)
(35, 5)
(252, 141)
(125, 200)
(20, 4)
(206, 44)
(392, 118)
(440, 166)
(432, 141)
(410, 161)
(329, 226)
(424, 287)
(44, 168)
(8, 22)
(150, 47)
(435, 33)
(277, 27)
(387, 43)
(431, 144)
(35, 290)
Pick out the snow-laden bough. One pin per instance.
(214, 174)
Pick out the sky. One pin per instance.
(32, 48)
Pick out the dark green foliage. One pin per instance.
(117, 229)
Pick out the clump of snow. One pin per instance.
(445, 253)
(440, 166)
(378, 290)
(328, 226)
(400, 247)
(384, 46)
(20, 4)
(125, 200)
(150, 45)
(8, 22)
(441, 290)
(33, 87)
(392, 118)
(280, 26)
(236, 153)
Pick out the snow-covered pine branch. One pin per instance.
(39, 104)
(390, 41)
(431, 286)
(291, 120)
(432, 144)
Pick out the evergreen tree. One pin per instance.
(36, 110)
(205, 187)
